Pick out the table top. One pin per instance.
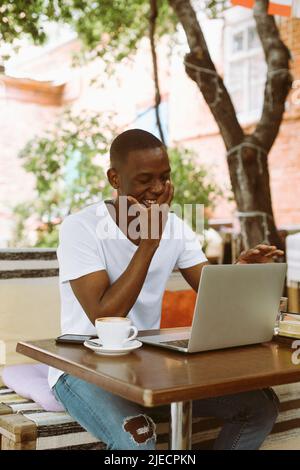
(154, 376)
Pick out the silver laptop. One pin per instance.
(236, 305)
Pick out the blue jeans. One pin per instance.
(248, 417)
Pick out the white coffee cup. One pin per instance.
(114, 332)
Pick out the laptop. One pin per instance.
(236, 305)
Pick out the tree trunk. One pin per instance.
(246, 154)
(152, 24)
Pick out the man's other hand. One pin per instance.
(259, 254)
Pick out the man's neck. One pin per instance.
(122, 220)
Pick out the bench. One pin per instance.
(29, 309)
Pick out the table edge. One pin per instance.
(150, 398)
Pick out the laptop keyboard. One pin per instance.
(181, 343)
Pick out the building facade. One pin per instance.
(41, 86)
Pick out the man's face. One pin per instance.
(144, 175)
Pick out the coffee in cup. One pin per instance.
(114, 332)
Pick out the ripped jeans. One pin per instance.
(248, 417)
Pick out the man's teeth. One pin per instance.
(150, 201)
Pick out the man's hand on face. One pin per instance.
(259, 254)
(152, 220)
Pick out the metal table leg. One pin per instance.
(181, 425)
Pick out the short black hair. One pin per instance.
(129, 141)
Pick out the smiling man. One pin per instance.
(124, 275)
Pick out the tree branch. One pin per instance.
(152, 24)
(210, 83)
(279, 79)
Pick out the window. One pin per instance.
(146, 120)
(245, 70)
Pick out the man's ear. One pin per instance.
(113, 178)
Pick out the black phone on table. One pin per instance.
(74, 339)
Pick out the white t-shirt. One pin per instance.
(90, 241)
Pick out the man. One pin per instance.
(111, 268)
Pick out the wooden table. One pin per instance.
(152, 376)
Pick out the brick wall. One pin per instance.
(19, 123)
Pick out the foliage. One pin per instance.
(68, 176)
(107, 28)
(22, 18)
(212, 8)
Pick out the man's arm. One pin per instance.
(259, 254)
(192, 275)
(99, 298)
(93, 291)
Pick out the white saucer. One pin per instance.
(96, 346)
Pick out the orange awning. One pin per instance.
(276, 7)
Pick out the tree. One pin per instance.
(246, 154)
(126, 22)
(66, 164)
